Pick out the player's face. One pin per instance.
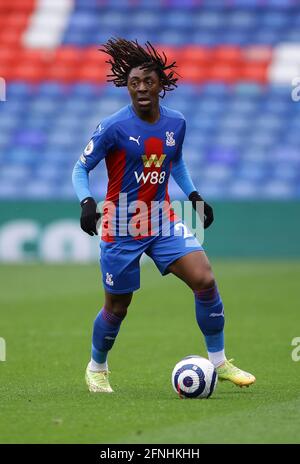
(144, 87)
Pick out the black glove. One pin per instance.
(208, 211)
(89, 216)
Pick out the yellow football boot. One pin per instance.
(235, 375)
(97, 382)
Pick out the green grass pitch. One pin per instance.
(46, 320)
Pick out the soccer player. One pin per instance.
(142, 146)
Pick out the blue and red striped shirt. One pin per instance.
(138, 155)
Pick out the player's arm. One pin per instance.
(89, 214)
(96, 150)
(182, 176)
(183, 179)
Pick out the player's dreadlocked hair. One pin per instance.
(128, 54)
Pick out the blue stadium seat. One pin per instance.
(53, 89)
(86, 90)
(241, 19)
(242, 139)
(19, 90)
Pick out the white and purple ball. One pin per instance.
(194, 377)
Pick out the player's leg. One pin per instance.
(195, 270)
(120, 276)
(185, 258)
(105, 330)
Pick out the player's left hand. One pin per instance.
(208, 211)
(89, 216)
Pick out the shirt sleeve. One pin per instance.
(182, 176)
(179, 170)
(101, 143)
(80, 180)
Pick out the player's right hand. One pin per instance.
(89, 216)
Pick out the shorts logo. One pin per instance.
(170, 142)
(89, 148)
(109, 280)
(153, 159)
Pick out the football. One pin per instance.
(194, 377)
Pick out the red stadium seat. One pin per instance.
(172, 53)
(227, 53)
(95, 74)
(34, 54)
(10, 37)
(6, 54)
(5, 7)
(224, 72)
(62, 73)
(6, 66)
(92, 54)
(29, 72)
(256, 72)
(6, 71)
(193, 59)
(68, 54)
(195, 54)
(194, 74)
(2, 20)
(23, 5)
(17, 20)
(187, 63)
(261, 53)
(33, 63)
(92, 58)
